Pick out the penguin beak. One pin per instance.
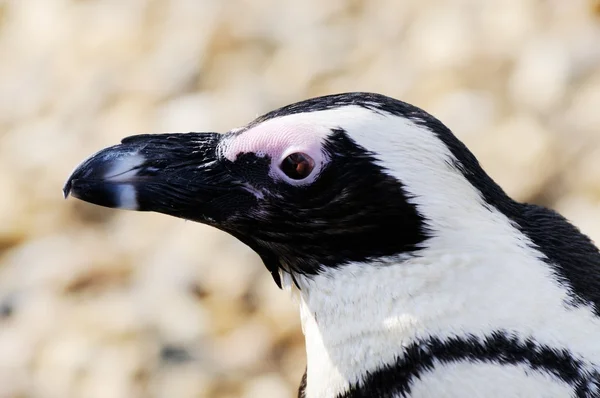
(175, 174)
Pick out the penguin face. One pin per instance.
(299, 185)
(346, 178)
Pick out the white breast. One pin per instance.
(501, 381)
(358, 318)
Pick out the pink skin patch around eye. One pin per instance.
(277, 140)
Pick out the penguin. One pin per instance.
(416, 274)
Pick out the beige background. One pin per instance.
(97, 303)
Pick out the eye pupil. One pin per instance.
(297, 166)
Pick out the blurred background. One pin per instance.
(98, 303)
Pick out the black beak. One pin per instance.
(174, 174)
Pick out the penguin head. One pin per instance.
(317, 184)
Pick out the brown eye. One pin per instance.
(297, 166)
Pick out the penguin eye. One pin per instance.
(297, 166)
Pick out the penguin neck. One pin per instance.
(357, 318)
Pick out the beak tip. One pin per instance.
(67, 188)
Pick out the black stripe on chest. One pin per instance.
(498, 348)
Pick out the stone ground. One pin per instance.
(97, 303)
